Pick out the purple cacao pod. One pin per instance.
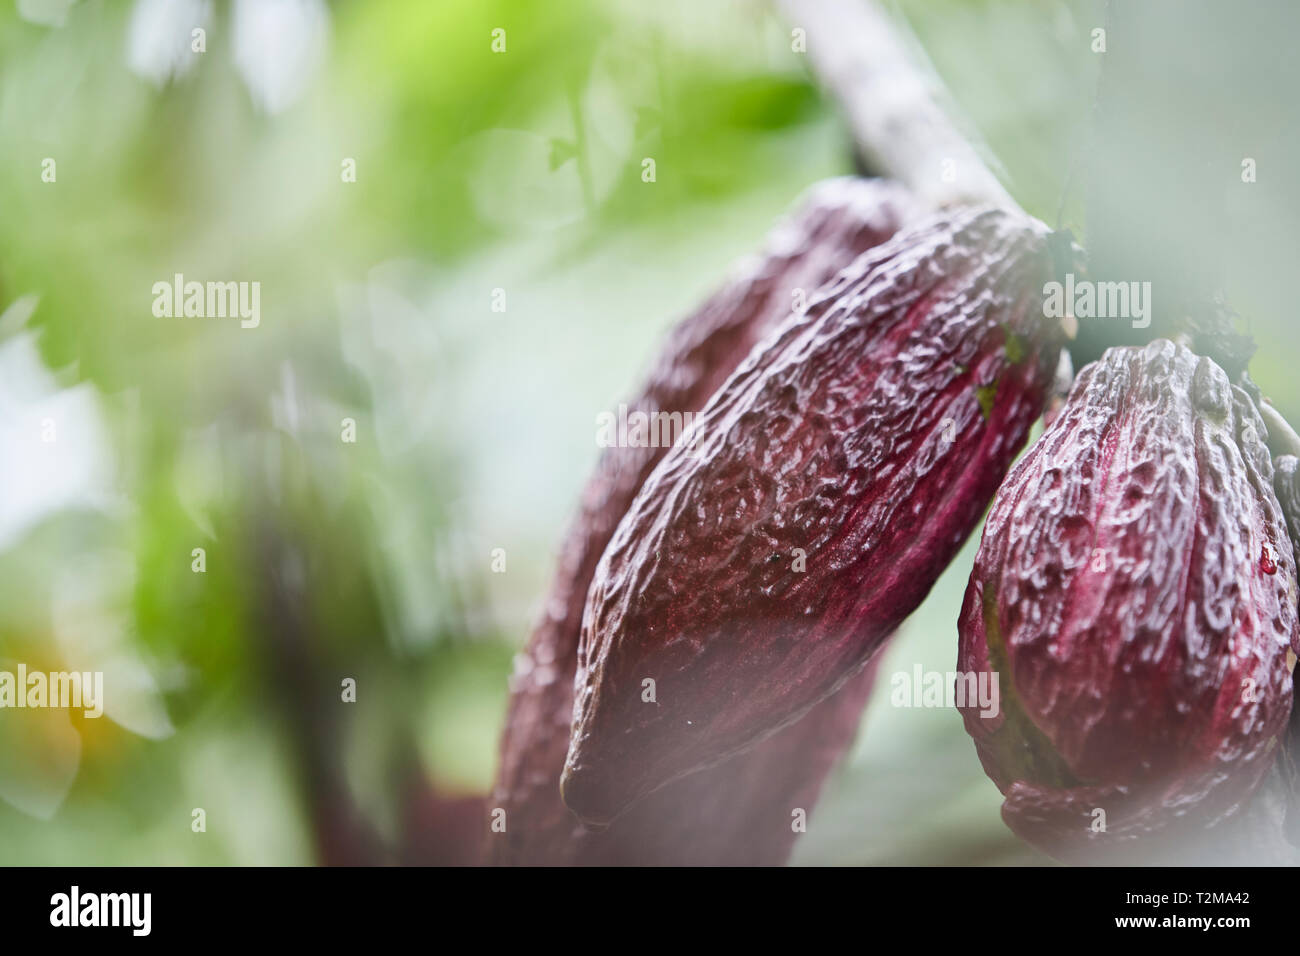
(739, 813)
(1135, 594)
(838, 220)
(831, 481)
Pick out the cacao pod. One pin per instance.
(738, 813)
(1135, 592)
(837, 220)
(833, 478)
(441, 829)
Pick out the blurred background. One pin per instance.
(460, 267)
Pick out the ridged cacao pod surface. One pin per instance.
(834, 223)
(832, 479)
(1135, 593)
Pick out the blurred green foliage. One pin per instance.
(476, 171)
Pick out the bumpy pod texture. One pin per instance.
(1135, 592)
(837, 221)
(832, 479)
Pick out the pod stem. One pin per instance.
(900, 115)
(896, 106)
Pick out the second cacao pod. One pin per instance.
(1135, 594)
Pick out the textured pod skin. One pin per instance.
(1136, 593)
(838, 220)
(869, 434)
